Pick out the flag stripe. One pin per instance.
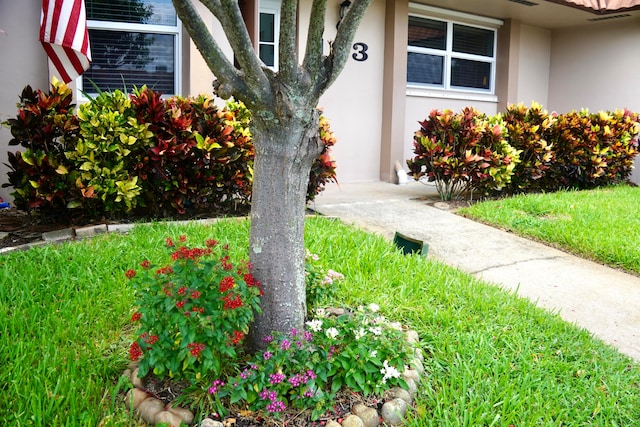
(64, 36)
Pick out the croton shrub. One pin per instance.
(137, 155)
(463, 152)
(525, 149)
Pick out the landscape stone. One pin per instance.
(149, 408)
(184, 414)
(208, 422)
(352, 421)
(136, 380)
(400, 393)
(394, 411)
(136, 396)
(332, 423)
(169, 418)
(369, 416)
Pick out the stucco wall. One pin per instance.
(23, 62)
(354, 103)
(596, 67)
(534, 64)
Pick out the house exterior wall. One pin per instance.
(596, 67)
(23, 62)
(534, 63)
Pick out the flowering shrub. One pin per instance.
(360, 351)
(321, 286)
(463, 152)
(192, 313)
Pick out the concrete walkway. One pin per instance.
(603, 300)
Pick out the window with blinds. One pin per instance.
(268, 35)
(133, 43)
(449, 55)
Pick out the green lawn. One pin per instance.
(602, 224)
(491, 357)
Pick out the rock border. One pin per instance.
(392, 413)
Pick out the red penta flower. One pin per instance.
(237, 337)
(135, 316)
(226, 265)
(226, 283)
(195, 348)
(145, 264)
(210, 243)
(195, 294)
(180, 304)
(182, 238)
(231, 303)
(164, 270)
(130, 274)
(182, 290)
(169, 242)
(135, 352)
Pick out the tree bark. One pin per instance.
(285, 152)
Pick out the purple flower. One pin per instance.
(293, 332)
(309, 393)
(311, 374)
(276, 378)
(267, 339)
(268, 395)
(308, 336)
(277, 406)
(285, 345)
(267, 355)
(217, 384)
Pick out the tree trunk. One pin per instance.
(284, 153)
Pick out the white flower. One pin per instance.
(396, 325)
(376, 330)
(327, 280)
(373, 354)
(388, 372)
(315, 325)
(321, 312)
(360, 333)
(374, 307)
(380, 320)
(332, 333)
(335, 275)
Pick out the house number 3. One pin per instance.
(361, 52)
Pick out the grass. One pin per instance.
(491, 357)
(601, 224)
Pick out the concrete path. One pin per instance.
(603, 300)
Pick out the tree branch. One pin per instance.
(313, 50)
(215, 58)
(287, 49)
(341, 47)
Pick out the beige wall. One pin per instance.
(23, 62)
(534, 63)
(596, 67)
(354, 103)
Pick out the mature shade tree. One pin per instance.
(285, 136)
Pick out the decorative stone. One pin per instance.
(352, 421)
(412, 387)
(411, 336)
(411, 374)
(168, 417)
(149, 408)
(369, 416)
(394, 411)
(184, 414)
(334, 311)
(127, 373)
(135, 396)
(418, 354)
(229, 422)
(417, 365)
(136, 380)
(208, 422)
(332, 423)
(400, 393)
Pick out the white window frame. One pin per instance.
(451, 18)
(271, 7)
(175, 30)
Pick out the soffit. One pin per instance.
(551, 14)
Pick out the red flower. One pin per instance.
(135, 316)
(237, 337)
(168, 242)
(145, 264)
(226, 283)
(130, 274)
(226, 265)
(151, 339)
(183, 238)
(231, 303)
(210, 243)
(180, 304)
(182, 290)
(195, 348)
(195, 294)
(165, 270)
(135, 352)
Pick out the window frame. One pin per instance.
(451, 18)
(271, 7)
(173, 30)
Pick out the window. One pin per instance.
(133, 43)
(450, 55)
(268, 37)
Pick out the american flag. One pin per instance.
(64, 36)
